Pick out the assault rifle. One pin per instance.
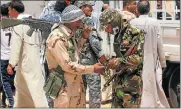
(122, 70)
(35, 24)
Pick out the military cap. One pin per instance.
(80, 3)
(107, 16)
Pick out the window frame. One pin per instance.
(165, 22)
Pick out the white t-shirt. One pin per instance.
(6, 36)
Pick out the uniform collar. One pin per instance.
(66, 30)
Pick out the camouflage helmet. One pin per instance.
(107, 16)
(80, 3)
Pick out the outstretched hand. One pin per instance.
(99, 68)
(113, 63)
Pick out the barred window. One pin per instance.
(166, 10)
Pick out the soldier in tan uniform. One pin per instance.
(62, 51)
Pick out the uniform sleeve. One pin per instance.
(160, 50)
(16, 45)
(135, 58)
(44, 12)
(61, 55)
(96, 46)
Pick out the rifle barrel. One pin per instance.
(7, 22)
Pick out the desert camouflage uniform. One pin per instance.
(61, 44)
(62, 50)
(127, 87)
(89, 55)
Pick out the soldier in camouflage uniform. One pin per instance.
(127, 85)
(62, 52)
(89, 54)
(50, 14)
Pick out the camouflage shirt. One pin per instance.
(91, 50)
(128, 46)
(128, 85)
(50, 14)
(136, 55)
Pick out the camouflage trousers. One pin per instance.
(127, 91)
(93, 81)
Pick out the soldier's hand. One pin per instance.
(102, 59)
(86, 31)
(10, 70)
(113, 63)
(99, 68)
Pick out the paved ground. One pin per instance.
(102, 106)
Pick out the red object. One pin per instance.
(134, 49)
(109, 28)
(67, 2)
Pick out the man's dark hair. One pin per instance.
(143, 7)
(17, 5)
(4, 9)
(72, 1)
(60, 5)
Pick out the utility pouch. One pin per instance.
(55, 82)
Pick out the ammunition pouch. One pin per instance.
(55, 82)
